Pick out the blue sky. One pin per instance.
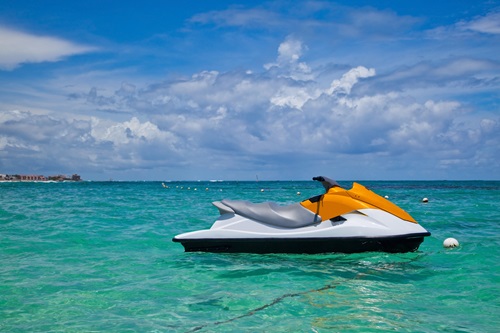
(168, 90)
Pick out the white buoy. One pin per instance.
(425, 200)
(450, 242)
(298, 193)
(387, 197)
(262, 190)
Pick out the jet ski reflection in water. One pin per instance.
(340, 220)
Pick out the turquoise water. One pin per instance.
(98, 257)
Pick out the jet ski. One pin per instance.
(340, 220)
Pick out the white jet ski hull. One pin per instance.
(358, 231)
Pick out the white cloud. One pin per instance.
(489, 23)
(236, 17)
(464, 66)
(288, 60)
(290, 51)
(368, 22)
(18, 47)
(349, 79)
(217, 122)
(128, 132)
(199, 82)
(295, 96)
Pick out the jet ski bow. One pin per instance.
(340, 220)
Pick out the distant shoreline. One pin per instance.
(39, 178)
(39, 181)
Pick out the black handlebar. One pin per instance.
(326, 182)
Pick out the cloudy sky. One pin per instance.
(169, 90)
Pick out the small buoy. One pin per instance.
(450, 242)
(298, 193)
(387, 197)
(262, 190)
(425, 200)
(206, 188)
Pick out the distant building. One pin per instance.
(58, 178)
(4, 177)
(31, 178)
